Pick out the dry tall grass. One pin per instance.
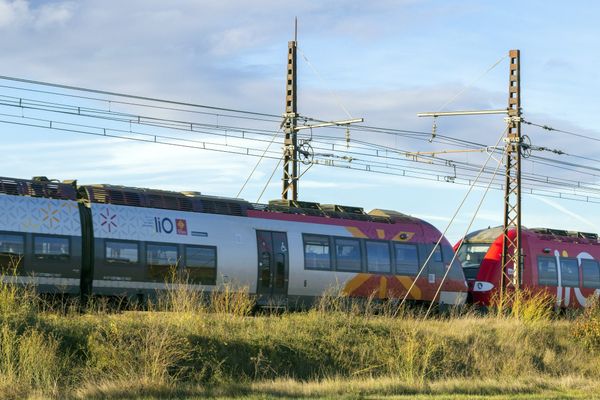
(525, 305)
(122, 350)
(179, 297)
(30, 361)
(201, 344)
(17, 301)
(182, 298)
(587, 325)
(232, 300)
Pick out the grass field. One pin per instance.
(185, 349)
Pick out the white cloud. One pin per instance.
(53, 14)
(20, 14)
(386, 60)
(13, 13)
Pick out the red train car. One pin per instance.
(562, 263)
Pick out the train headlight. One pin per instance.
(480, 286)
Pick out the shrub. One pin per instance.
(29, 360)
(232, 299)
(180, 297)
(587, 326)
(136, 351)
(525, 305)
(17, 301)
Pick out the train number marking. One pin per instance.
(163, 225)
(166, 225)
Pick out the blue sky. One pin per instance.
(384, 61)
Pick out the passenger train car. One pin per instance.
(121, 241)
(564, 264)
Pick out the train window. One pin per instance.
(432, 256)
(11, 244)
(569, 272)
(11, 252)
(201, 264)
(471, 256)
(161, 254)
(547, 271)
(121, 252)
(378, 256)
(437, 254)
(591, 273)
(51, 247)
(407, 259)
(348, 255)
(316, 252)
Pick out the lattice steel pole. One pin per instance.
(511, 247)
(290, 146)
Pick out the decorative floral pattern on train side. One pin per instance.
(39, 215)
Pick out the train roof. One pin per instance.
(335, 211)
(189, 201)
(489, 235)
(564, 235)
(198, 202)
(169, 200)
(39, 186)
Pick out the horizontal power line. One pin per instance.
(367, 156)
(339, 163)
(191, 126)
(351, 155)
(549, 128)
(131, 96)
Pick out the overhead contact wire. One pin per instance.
(449, 223)
(257, 163)
(467, 230)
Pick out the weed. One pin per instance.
(525, 305)
(30, 360)
(233, 300)
(342, 345)
(135, 351)
(587, 326)
(180, 296)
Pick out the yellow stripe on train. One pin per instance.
(381, 286)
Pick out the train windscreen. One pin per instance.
(471, 255)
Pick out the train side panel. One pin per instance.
(555, 265)
(557, 268)
(167, 239)
(41, 239)
(310, 280)
(136, 247)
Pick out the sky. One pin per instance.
(383, 61)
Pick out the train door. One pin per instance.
(273, 267)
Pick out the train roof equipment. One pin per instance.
(39, 186)
(164, 199)
(565, 236)
(190, 201)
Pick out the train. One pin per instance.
(563, 264)
(109, 240)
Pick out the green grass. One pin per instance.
(184, 348)
(389, 388)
